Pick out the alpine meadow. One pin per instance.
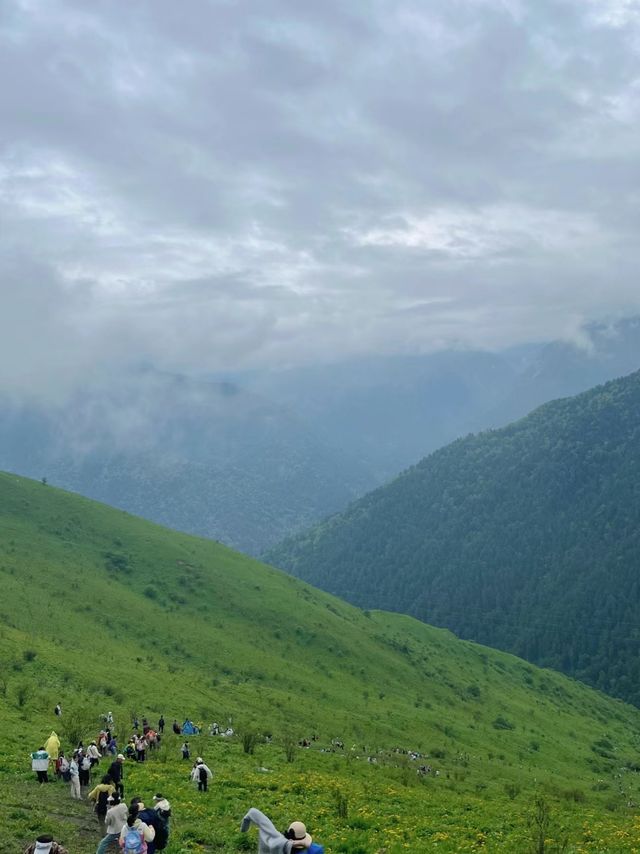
(105, 612)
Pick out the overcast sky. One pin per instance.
(214, 185)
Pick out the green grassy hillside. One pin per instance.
(103, 611)
(524, 538)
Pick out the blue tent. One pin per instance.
(189, 728)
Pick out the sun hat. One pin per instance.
(199, 759)
(297, 833)
(120, 756)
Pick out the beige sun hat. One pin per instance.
(297, 833)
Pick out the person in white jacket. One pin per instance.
(74, 777)
(201, 774)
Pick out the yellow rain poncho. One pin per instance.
(52, 745)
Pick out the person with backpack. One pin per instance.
(163, 808)
(135, 835)
(161, 724)
(99, 796)
(271, 841)
(151, 817)
(201, 774)
(62, 767)
(186, 753)
(115, 820)
(45, 844)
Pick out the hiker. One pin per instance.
(45, 844)
(40, 764)
(201, 774)
(93, 753)
(112, 747)
(74, 777)
(116, 772)
(185, 750)
(141, 747)
(115, 820)
(99, 795)
(156, 817)
(271, 841)
(161, 724)
(84, 765)
(176, 727)
(62, 767)
(163, 808)
(135, 834)
(109, 718)
(52, 745)
(58, 710)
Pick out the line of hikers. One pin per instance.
(137, 831)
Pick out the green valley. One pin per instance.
(104, 611)
(525, 538)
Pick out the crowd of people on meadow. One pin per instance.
(135, 828)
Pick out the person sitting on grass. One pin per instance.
(271, 841)
(45, 844)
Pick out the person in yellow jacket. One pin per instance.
(52, 746)
(100, 796)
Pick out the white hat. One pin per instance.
(297, 833)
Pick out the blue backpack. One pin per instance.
(134, 842)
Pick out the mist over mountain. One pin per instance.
(525, 538)
(250, 458)
(205, 457)
(391, 411)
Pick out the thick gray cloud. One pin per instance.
(224, 184)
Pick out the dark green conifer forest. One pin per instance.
(525, 538)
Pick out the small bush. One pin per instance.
(340, 803)
(502, 723)
(29, 654)
(249, 741)
(289, 746)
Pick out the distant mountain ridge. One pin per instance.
(251, 458)
(525, 538)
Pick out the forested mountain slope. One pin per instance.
(525, 538)
(103, 611)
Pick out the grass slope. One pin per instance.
(104, 611)
(525, 538)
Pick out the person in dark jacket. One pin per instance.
(116, 772)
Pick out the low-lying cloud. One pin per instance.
(229, 185)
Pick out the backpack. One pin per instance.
(202, 774)
(101, 803)
(134, 842)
